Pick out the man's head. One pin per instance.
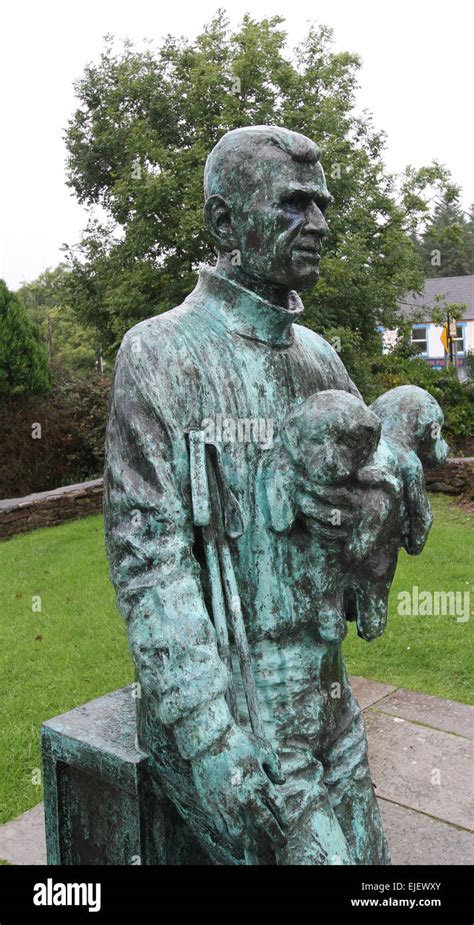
(265, 197)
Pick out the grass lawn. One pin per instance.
(72, 651)
(76, 648)
(434, 654)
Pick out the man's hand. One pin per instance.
(236, 787)
(333, 508)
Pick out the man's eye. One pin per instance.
(296, 203)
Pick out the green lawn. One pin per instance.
(81, 654)
(433, 654)
(76, 648)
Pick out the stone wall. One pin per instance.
(49, 508)
(455, 478)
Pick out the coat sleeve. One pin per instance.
(149, 541)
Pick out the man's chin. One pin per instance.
(304, 280)
(287, 277)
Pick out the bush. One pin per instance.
(23, 358)
(68, 445)
(470, 363)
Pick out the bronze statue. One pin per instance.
(257, 745)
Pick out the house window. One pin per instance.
(419, 338)
(459, 339)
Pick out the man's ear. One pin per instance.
(275, 491)
(218, 219)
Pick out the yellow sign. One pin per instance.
(445, 337)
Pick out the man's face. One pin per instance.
(281, 225)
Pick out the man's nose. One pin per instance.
(315, 220)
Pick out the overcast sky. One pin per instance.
(416, 79)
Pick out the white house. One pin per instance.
(426, 335)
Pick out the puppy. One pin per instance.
(370, 455)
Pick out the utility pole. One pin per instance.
(449, 356)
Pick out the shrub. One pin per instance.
(68, 447)
(23, 358)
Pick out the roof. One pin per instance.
(451, 288)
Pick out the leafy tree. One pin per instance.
(137, 145)
(357, 354)
(23, 358)
(72, 345)
(446, 245)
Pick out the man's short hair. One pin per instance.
(231, 155)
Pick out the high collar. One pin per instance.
(246, 313)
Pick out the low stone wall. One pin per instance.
(49, 508)
(455, 478)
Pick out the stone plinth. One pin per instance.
(100, 803)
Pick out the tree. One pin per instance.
(71, 344)
(446, 245)
(23, 358)
(137, 146)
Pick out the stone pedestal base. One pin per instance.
(101, 804)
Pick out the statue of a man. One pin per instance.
(234, 352)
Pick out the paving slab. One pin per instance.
(22, 841)
(422, 768)
(369, 692)
(409, 834)
(418, 839)
(439, 713)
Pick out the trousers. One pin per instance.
(316, 728)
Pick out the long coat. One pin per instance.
(227, 360)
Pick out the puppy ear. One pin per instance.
(420, 516)
(275, 490)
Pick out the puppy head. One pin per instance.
(324, 441)
(330, 436)
(411, 417)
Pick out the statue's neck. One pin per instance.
(276, 295)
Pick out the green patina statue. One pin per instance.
(253, 504)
